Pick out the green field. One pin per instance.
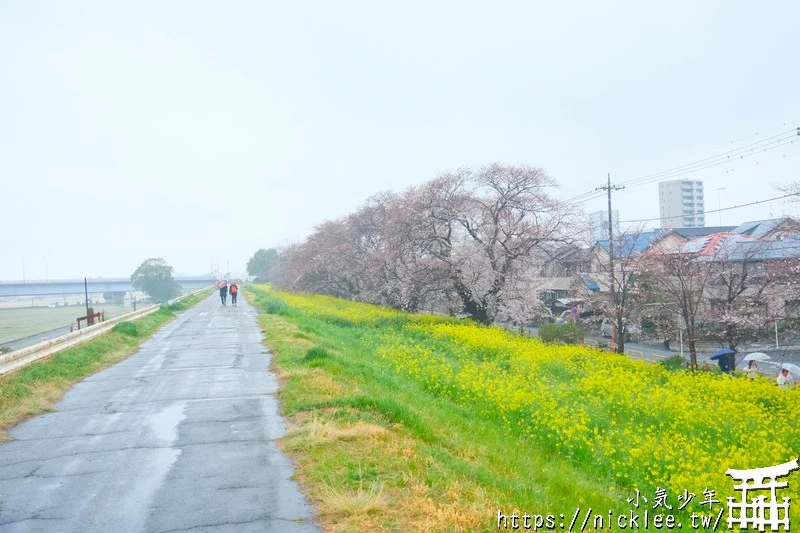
(16, 323)
(429, 423)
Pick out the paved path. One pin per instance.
(177, 437)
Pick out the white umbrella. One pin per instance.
(793, 369)
(757, 356)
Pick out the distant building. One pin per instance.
(599, 224)
(681, 204)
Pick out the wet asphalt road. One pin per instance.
(177, 437)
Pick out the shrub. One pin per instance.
(126, 328)
(317, 352)
(673, 362)
(276, 307)
(562, 333)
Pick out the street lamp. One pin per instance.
(45, 268)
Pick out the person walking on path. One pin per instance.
(223, 292)
(234, 293)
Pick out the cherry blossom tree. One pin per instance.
(400, 273)
(682, 281)
(483, 225)
(330, 261)
(631, 250)
(523, 296)
(744, 287)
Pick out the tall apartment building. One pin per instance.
(681, 203)
(599, 224)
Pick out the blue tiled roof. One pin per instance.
(589, 282)
(630, 245)
(758, 228)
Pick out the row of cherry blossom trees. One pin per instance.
(474, 241)
(728, 292)
(469, 241)
(730, 295)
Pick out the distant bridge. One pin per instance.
(97, 285)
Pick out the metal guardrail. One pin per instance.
(19, 358)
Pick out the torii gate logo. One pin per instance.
(759, 512)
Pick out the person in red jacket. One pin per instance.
(234, 290)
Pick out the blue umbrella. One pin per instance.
(722, 352)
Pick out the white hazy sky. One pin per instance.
(202, 131)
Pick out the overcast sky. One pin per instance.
(202, 131)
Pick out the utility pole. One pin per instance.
(613, 282)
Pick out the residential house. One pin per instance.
(772, 229)
(768, 252)
(559, 275)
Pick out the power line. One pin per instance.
(717, 210)
(714, 162)
(720, 158)
(591, 195)
(784, 138)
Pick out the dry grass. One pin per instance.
(325, 441)
(351, 506)
(404, 504)
(320, 432)
(326, 386)
(424, 512)
(47, 395)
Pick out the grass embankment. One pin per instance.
(416, 423)
(34, 389)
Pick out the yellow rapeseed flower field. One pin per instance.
(638, 424)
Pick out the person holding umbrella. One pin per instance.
(752, 366)
(725, 357)
(223, 291)
(784, 380)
